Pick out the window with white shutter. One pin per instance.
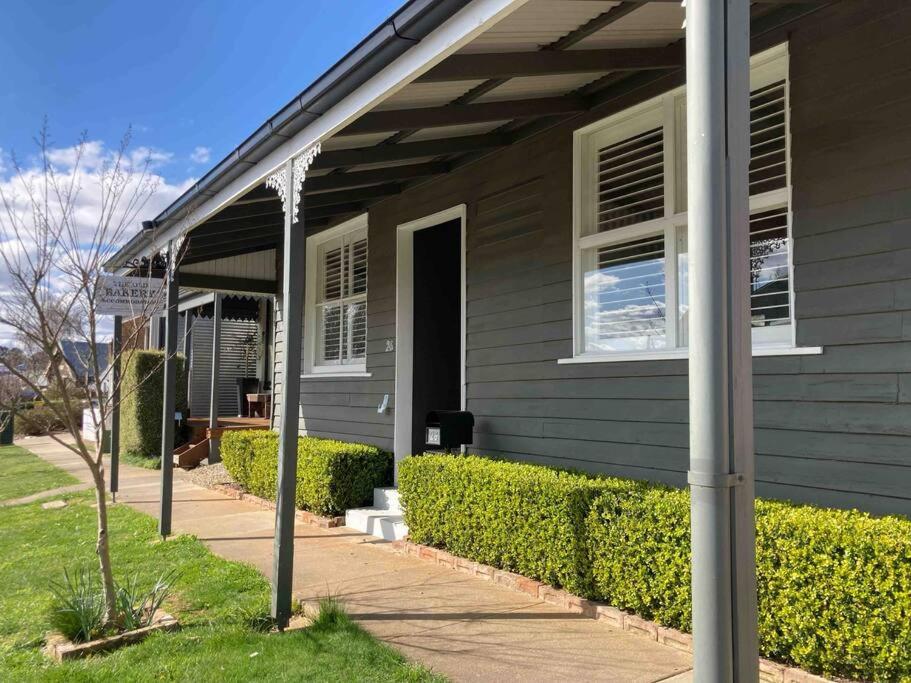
(631, 289)
(630, 178)
(336, 318)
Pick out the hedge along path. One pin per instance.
(834, 586)
(141, 408)
(332, 476)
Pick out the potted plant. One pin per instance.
(249, 383)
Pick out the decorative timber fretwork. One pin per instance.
(278, 181)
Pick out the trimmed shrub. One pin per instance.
(332, 476)
(239, 449)
(834, 586)
(523, 518)
(835, 590)
(141, 407)
(639, 543)
(40, 419)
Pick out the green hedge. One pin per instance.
(834, 586)
(140, 409)
(332, 476)
(41, 419)
(639, 545)
(523, 518)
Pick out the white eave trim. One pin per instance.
(456, 32)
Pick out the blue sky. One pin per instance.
(193, 78)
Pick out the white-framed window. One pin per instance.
(335, 320)
(630, 223)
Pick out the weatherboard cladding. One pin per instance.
(233, 334)
(831, 429)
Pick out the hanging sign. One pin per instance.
(130, 296)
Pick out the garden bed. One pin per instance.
(59, 648)
(236, 491)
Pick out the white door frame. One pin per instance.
(404, 322)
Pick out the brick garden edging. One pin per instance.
(769, 671)
(60, 649)
(236, 492)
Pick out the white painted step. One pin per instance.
(378, 522)
(388, 499)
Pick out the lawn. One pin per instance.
(217, 602)
(23, 473)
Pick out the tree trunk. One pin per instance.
(102, 547)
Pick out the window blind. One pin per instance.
(770, 290)
(630, 177)
(768, 138)
(342, 306)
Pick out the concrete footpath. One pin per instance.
(463, 627)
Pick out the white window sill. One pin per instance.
(335, 375)
(683, 354)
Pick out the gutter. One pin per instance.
(404, 29)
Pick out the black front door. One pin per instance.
(437, 324)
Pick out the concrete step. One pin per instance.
(378, 522)
(387, 498)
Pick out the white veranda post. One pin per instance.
(721, 472)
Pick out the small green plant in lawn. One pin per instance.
(78, 608)
(331, 615)
(136, 606)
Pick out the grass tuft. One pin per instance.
(331, 616)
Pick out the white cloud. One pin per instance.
(87, 209)
(201, 155)
(93, 155)
(155, 157)
(90, 157)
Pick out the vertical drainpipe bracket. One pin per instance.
(710, 480)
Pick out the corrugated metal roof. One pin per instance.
(353, 141)
(533, 26)
(427, 95)
(454, 131)
(390, 164)
(536, 24)
(652, 25)
(527, 87)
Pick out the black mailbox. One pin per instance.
(449, 428)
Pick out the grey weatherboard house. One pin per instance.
(497, 219)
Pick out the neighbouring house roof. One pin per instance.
(77, 355)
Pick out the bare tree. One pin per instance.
(54, 246)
